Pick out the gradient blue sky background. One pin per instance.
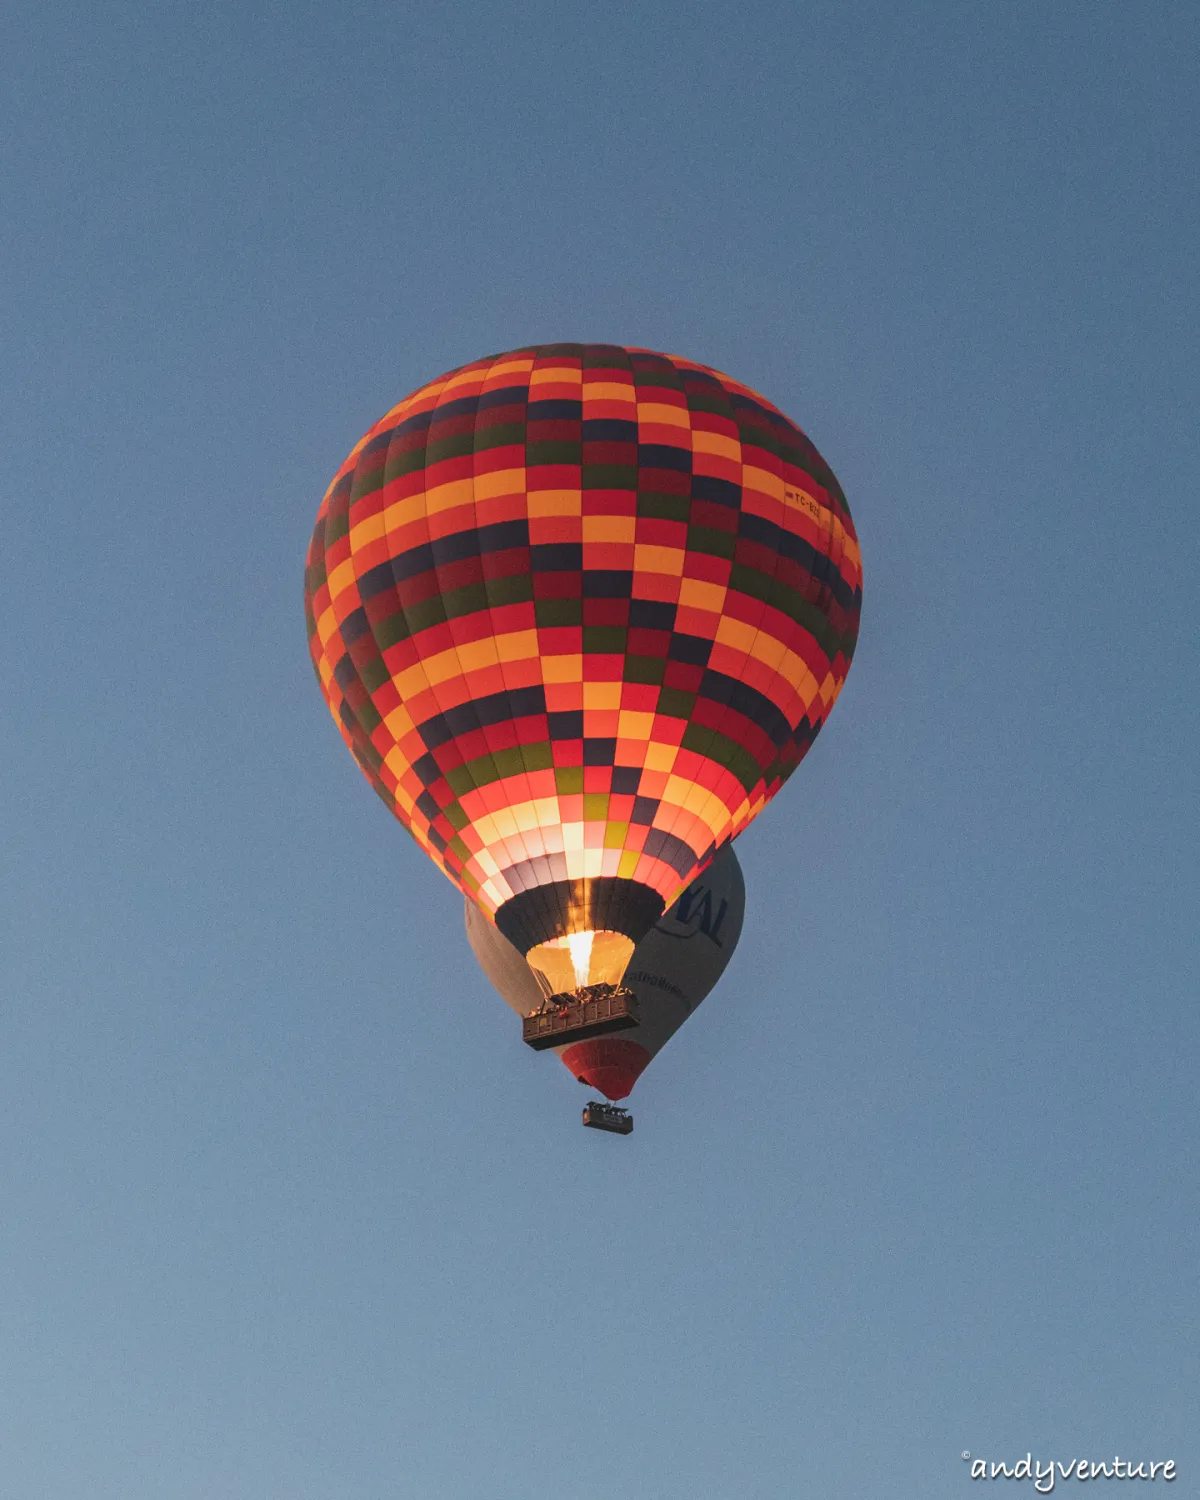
(289, 1213)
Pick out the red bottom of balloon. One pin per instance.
(609, 1064)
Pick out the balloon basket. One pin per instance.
(610, 1117)
(595, 1010)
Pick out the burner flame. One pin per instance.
(580, 945)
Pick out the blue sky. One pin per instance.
(289, 1211)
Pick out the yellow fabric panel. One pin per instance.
(402, 513)
(527, 820)
(736, 633)
(634, 725)
(342, 578)
(609, 528)
(475, 655)
(697, 593)
(651, 559)
(444, 496)
(556, 375)
(327, 627)
(442, 666)
(501, 482)
(605, 390)
(369, 529)
(660, 757)
(770, 651)
(469, 377)
(544, 503)
(518, 645)
(399, 723)
(602, 695)
(668, 416)
(562, 668)
(501, 374)
(412, 681)
(763, 480)
(504, 821)
(718, 443)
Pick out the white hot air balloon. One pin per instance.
(672, 969)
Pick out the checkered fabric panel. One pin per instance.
(579, 611)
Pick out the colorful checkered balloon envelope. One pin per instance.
(579, 611)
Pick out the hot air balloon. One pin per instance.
(672, 969)
(578, 612)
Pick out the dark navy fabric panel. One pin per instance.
(556, 557)
(475, 541)
(660, 456)
(354, 626)
(744, 699)
(671, 850)
(605, 583)
(768, 534)
(464, 406)
(651, 614)
(493, 708)
(567, 725)
(722, 491)
(609, 430)
(693, 649)
(625, 779)
(510, 395)
(554, 411)
(418, 422)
